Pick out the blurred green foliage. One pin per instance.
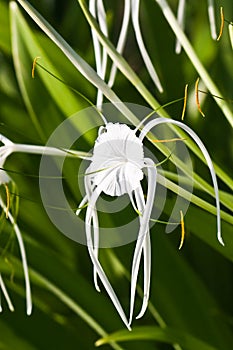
(192, 288)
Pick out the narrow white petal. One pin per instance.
(81, 204)
(23, 257)
(97, 52)
(96, 44)
(181, 20)
(200, 144)
(143, 231)
(6, 295)
(121, 41)
(211, 14)
(95, 261)
(94, 218)
(135, 19)
(5, 140)
(101, 14)
(147, 274)
(147, 256)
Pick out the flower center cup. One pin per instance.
(117, 161)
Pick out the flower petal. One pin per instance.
(96, 193)
(180, 20)
(94, 218)
(211, 14)
(23, 256)
(147, 256)
(6, 295)
(143, 232)
(200, 144)
(135, 19)
(121, 41)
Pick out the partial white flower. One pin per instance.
(117, 167)
(131, 7)
(5, 151)
(8, 147)
(181, 20)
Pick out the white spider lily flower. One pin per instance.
(117, 167)
(181, 20)
(6, 150)
(132, 7)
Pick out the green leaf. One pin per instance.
(5, 43)
(10, 340)
(167, 335)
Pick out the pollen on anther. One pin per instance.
(34, 66)
(182, 230)
(197, 97)
(222, 24)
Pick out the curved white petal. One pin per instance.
(180, 19)
(146, 254)
(143, 231)
(23, 257)
(200, 144)
(211, 14)
(121, 41)
(94, 218)
(101, 15)
(96, 193)
(135, 19)
(96, 44)
(6, 295)
(81, 204)
(5, 140)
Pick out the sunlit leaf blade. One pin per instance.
(4, 28)
(167, 335)
(9, 340)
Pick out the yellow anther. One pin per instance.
(34, 66)
(182, 229)
(197, 97)
(185, 101)
(222, 23)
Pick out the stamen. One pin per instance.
(182, 229)
(7, 199)
(185, 101)
(34, 66)
(197, 97)
(222, 23)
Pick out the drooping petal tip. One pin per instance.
(220, 239)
